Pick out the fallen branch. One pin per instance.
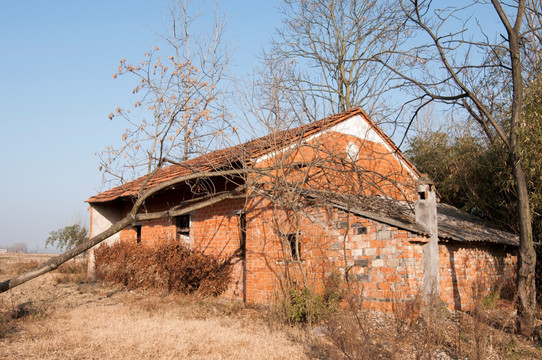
(130, 219)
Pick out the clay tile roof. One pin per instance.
(233, 156)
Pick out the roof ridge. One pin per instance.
(222, 157)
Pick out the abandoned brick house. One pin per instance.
(333, 196)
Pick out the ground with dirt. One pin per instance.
(60, 315)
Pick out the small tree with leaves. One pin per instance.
(67, 237)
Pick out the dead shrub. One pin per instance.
(6, 324)
(23, 310)
(356, 333)
(73, 268)
(507, 289)
(170, 266)
(11, 317)
(424, 330)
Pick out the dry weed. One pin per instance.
(93, 321)
(425, 331)
(12, 264)
(74, 271)
(169, 266)
(17, 268)
(48, 320)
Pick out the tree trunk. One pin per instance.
(526, 257)
(526, 301)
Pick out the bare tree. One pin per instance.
(181, 93)
(458, 63)
(326, 46)
(180, 109)
(18, 247)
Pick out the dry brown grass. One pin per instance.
(51, 319)
(17, 263)
(426, 331)
(93, 321)
(115, 330)
(74, 271)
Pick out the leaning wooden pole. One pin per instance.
(130, 219)
(56, 261)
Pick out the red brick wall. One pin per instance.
(386, 263)
(468, 272)
(151, 232)
(382, 261)
(327, 166)
(215, 230)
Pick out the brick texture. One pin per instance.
(469, 272)
(382, 261)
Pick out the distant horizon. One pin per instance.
(33, 249)
(30, 251)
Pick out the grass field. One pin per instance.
(61, 319)
(61, 316)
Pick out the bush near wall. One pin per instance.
(170, 266)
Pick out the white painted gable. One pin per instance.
(357, 126)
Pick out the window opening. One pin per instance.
(243, 239)
(137, 228)
(295, 246)
(422, 195)
(243, 247)
(183, 226)
(300, 165)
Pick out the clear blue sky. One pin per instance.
(57, 59)
(56, 90)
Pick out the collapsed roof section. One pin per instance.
(453, 224)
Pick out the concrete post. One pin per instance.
(426, 215)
